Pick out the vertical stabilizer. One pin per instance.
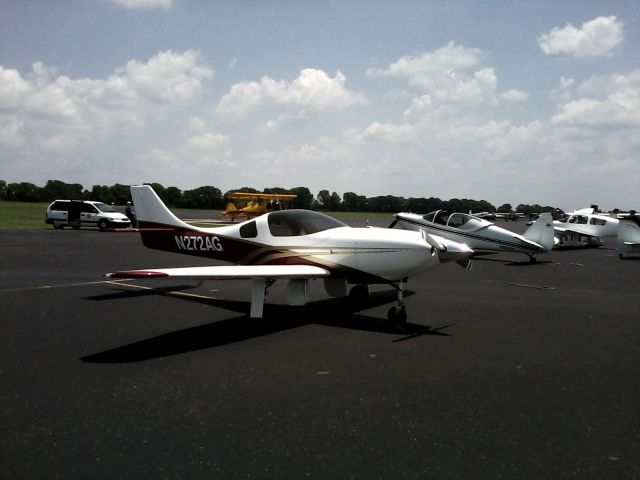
(150, 209)
(629, 234)
(541, 231)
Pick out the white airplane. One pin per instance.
(481, 235)
(629, 236)
(296, 245)
(584, 228)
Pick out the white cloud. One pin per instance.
(13, 88)
(71, 127)
(139, 4)
(446, 74)
(514, 95)
(611, 101)
(61, 112)
(389, 132)
(209, 141)
(596, 38)
(313, 90)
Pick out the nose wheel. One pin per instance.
(398, 313)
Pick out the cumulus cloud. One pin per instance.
(596, 38)
(608, 101)
(71, 125)
(448, 75)
(313, 90)
(48, 107)
(140, 4)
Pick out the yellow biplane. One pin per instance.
(256, 204)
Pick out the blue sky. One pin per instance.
(505, 101)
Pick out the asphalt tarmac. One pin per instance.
(509, 371)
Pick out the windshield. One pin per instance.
(103, 207)
(439, 216)
(465, 221)
(293, 223)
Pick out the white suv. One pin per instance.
(84, 213)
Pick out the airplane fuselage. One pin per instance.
(369, 255)
(480, 236)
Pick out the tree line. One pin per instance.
(212, 198)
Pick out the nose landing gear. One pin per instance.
(398, 313)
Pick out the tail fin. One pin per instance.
(628, 233)
(541, 231)
(150, 209)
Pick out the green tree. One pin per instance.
(304, 199)
(505, 208)
(324, 199)
(24, 192)
(174, 196)
(56, 189)
(205, 198)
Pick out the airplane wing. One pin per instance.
(266, 196)
(567, 237)
(227, 272)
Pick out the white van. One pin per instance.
(84, 213)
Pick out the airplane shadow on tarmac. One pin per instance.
(512, 263)
(334, 312)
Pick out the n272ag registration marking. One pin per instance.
(198, 243)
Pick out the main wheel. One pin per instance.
(397, 314)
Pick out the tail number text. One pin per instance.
(196, 243)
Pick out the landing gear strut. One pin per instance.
(398, 313)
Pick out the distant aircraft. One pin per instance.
(584, 228)
(481, 235)
(295, 245)
(258, 204)
(629, 236)
(491, 216)
(509, 215)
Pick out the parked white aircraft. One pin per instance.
(481, 235)
(296, 245)
(584, 228)
(629, 236)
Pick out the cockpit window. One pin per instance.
(249, 230)
(439, 216)
(293, 223)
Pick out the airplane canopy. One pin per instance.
(462, 221)
(293, 223)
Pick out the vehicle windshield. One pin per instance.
(103, 207)
(293, 223)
